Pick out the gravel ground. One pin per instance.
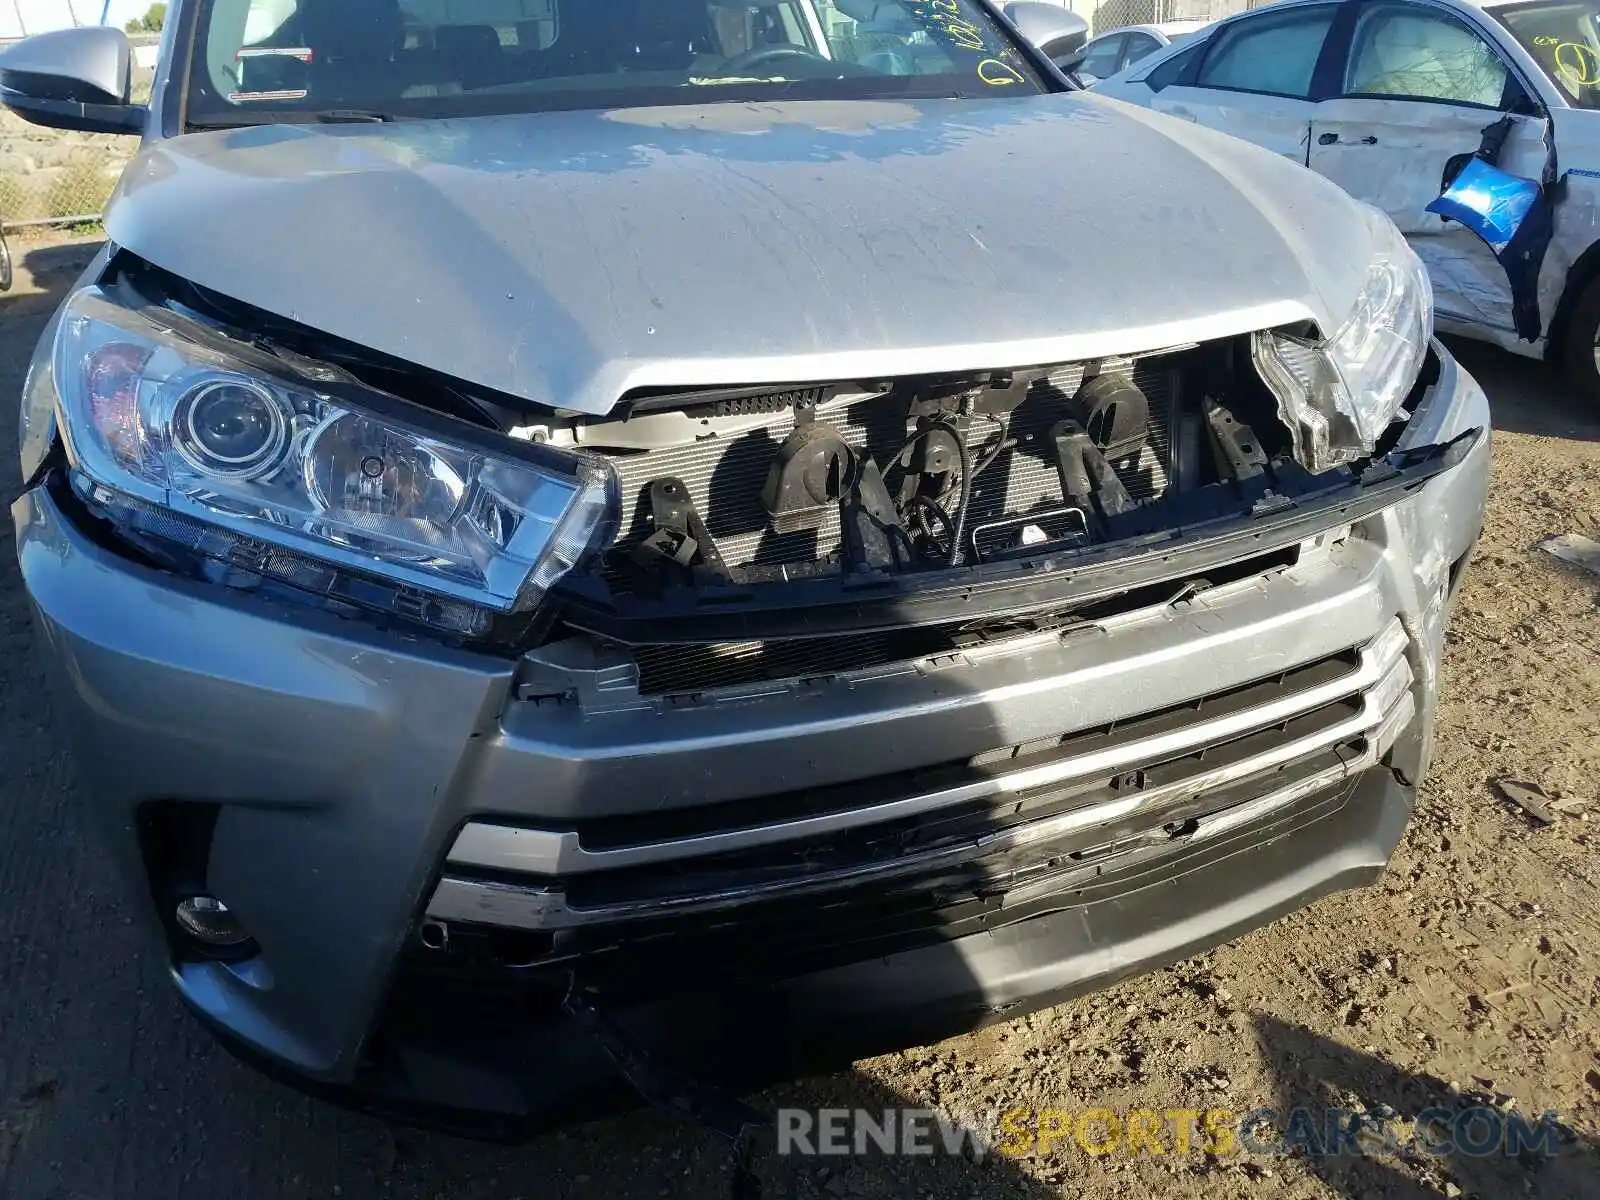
(1469, 974)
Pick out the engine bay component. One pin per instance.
(897, 476)
(808, 477)
(930, 462)
(1087, 479)
(1114, 413)
(875, 538)
(935, 472)
(1234, 444)
(1065, 527)
(681, 539)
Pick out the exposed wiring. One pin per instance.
(1005, 442)
(923, 506)
(927, 506)
(959, 522)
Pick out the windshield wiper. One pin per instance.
(345, 116)
(293, 116)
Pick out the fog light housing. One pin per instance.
(210, 922)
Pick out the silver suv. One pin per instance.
(750, 530)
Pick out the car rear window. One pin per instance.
(1273, 53)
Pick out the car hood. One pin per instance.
(570, 257)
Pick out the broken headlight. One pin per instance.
(305, 478)
(1337, 396)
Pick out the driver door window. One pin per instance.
(1402, 50)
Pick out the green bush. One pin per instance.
(151, 22)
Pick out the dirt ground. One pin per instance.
(1469, 975)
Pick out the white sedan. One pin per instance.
(1121, 48)
(1389, 99)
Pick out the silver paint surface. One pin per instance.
(569, 257)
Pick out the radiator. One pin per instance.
(724, 475)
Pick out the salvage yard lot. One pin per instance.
(1469, 974)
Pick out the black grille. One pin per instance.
(694, 668)
(813, 931)
(783, 937)
(1059, 821)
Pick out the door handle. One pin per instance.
(1333, 139)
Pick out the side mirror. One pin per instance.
(1055, 31)
(1069, 63)
(72, 79)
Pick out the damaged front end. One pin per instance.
(704, 539)
(787, 676)
(709, 537)
(763, 527)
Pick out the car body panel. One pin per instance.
(322, 759)
(1276, 123)
(567, 258)
(1392, 153)
(346, 760)
(1401, 172)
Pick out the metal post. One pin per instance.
(22, 26)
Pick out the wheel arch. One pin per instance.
(1584, 270)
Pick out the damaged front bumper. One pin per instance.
(838, 866)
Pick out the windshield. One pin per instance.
(1565, 40)
(418, 58)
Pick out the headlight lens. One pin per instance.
(159, 420)
(1339, 395)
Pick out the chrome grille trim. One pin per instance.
(521, 906)
(1381, 671)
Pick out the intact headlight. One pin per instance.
(1339, 395)
(243, 462)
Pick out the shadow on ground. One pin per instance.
(1469, 1146)
(1546, 404)
(43, 274)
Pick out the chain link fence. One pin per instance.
(56, 177)
(1106, 15)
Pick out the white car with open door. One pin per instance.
(1476, 127)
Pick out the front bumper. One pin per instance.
(318, 774)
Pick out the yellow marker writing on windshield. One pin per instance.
(964, 33)
(998, 74)
(1579, 63)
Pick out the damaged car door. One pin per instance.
(1419, 88)
(1254, 79)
